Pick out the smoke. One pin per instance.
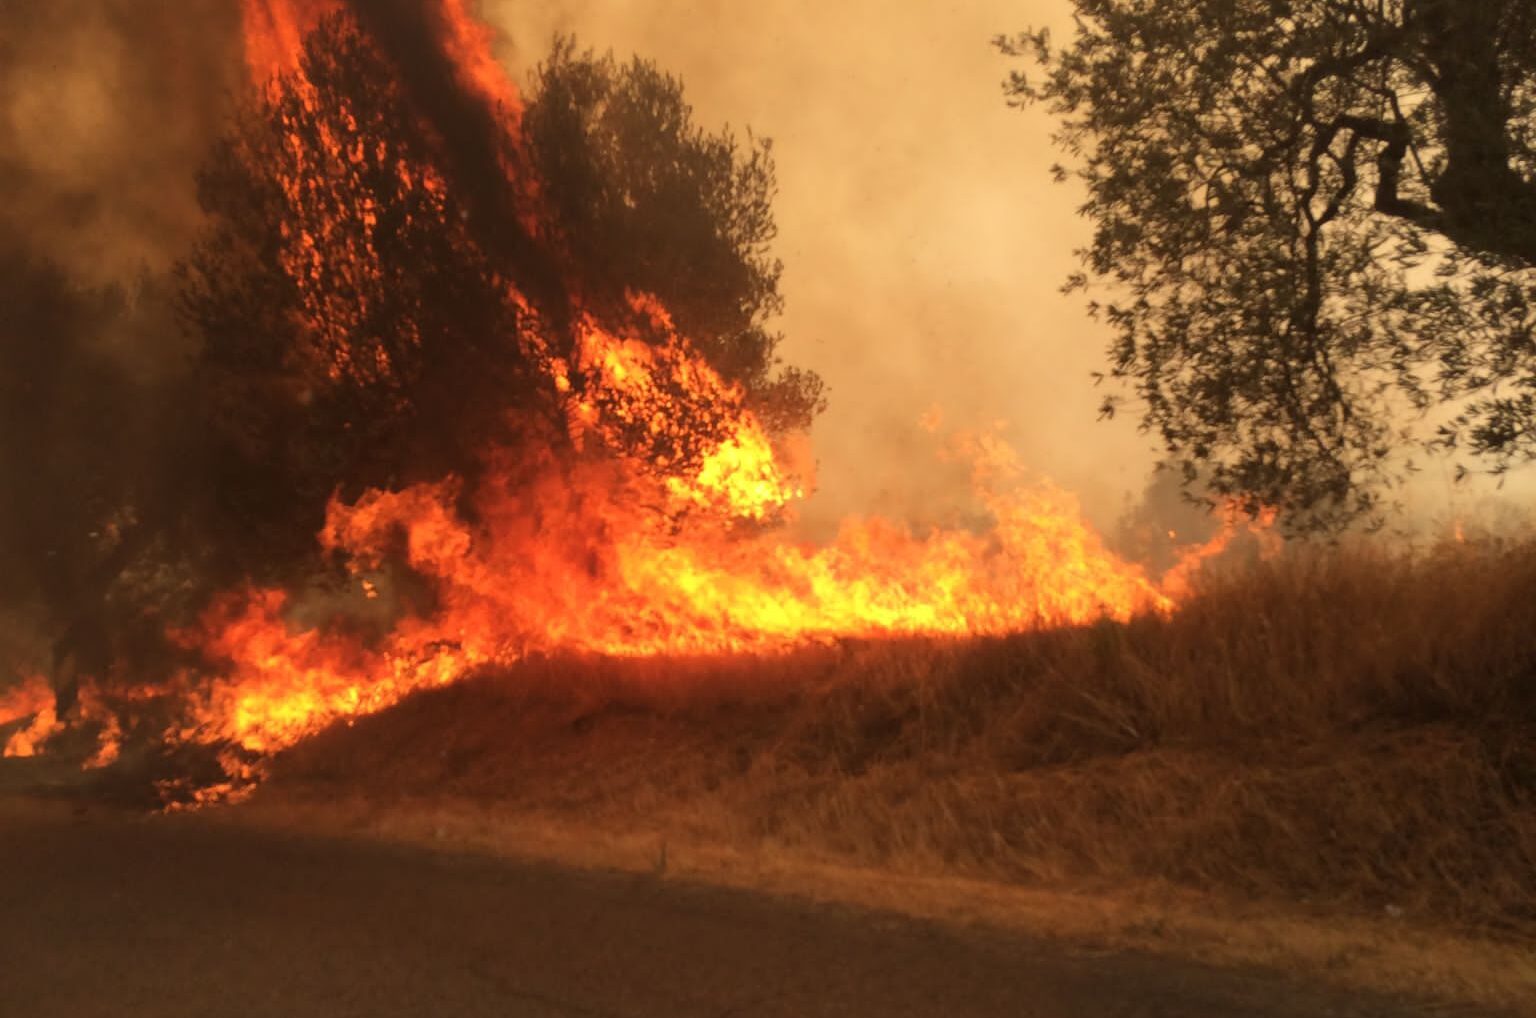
(106, 109)
(924, 241)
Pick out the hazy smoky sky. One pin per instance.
(106, 108)
(923, 239)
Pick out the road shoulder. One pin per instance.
(1387, 957)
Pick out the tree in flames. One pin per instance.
(513, 364)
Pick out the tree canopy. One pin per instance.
(1317, 223)
(645, 200)
(356, 329)
(352, 332)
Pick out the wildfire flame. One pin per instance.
(274, 33)
(658, 537)
(30, 701)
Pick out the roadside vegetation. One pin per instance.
(1343, 731)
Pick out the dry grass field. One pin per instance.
(1344, 736)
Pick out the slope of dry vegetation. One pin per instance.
(1344, 731)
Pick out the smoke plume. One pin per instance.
(106, 109)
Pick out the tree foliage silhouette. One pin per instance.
(1318, 220)
(644, 200)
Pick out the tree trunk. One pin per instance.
(1487, 205)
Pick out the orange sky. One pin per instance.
(923, 240)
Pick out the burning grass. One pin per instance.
(569, 566)
(529, 442)
(1347, 731)
(1332, 751)
(1322, 762)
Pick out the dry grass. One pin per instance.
(1348, 734)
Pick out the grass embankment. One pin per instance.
(1349, 735)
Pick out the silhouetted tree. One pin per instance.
(1319, 220)
(88, 450)
(645, 200)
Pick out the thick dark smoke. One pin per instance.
(106, 109)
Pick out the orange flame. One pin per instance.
(274, 33)
(31, 700)
(467, 41)
(1236, 521)
(280, 685)
(585, 562)
(662, 401)
(657, 539)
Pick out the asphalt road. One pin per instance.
(109, 913)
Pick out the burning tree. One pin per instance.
(643, 200)
(362, 322)
(354, 333)
(521, 351)
(358, 332)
